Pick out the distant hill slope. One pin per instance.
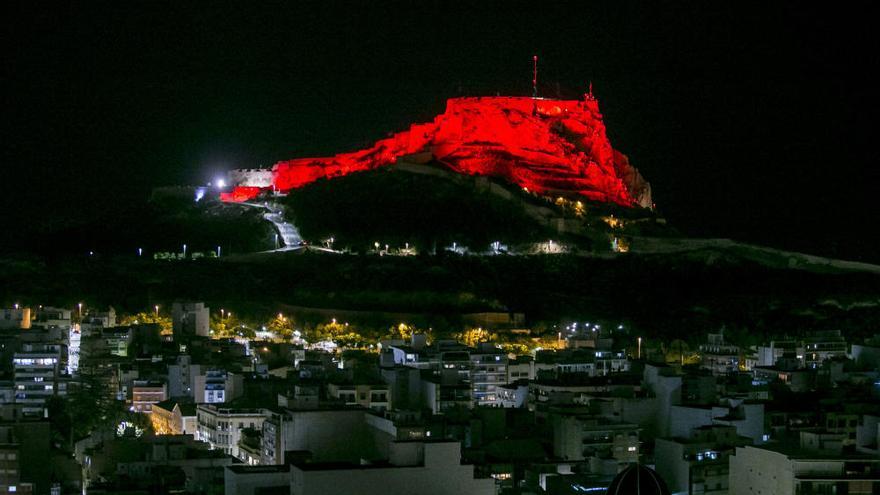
(163, 223)
(713, 250)
(396, 207)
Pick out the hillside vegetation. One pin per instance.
(395, 208)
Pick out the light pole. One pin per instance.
(140, 252)
(80, 306)
(156, 307)
(640, 348)
(218, 251)
(184, 251)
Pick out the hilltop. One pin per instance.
(547, 146)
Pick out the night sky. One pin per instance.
(751, 122)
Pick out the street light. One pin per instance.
(184, 250)
(80, 306)
(640, 348)
(218, 251)
(222, 313)
(157, 310)
(140, 251)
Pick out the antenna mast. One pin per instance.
(535, 76)
(534, 85)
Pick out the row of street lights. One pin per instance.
(140, 251)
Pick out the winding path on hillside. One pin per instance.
(288, 235)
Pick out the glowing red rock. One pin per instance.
(240, 194)
(556, 147)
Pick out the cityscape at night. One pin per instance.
(319, 248)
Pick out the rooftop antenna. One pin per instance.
(535, 85)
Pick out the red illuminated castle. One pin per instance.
(551, 147)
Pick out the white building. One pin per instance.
(698, 464)
(521, 368)
(746, 418)
(719, 356)
(38, 376)
(217, 386)
(488, 372)
(330, 434)
(15, 317)
(50, 317)
(821, 346)
(145, 393)
(597, 439)
(482, 370)
(375, 396)
(781, 469)
(241, 479)
(514, 394)
(428, 468)
(769, 355)
(221, 427)
(180, 376)
(190, 318)
(867, 355)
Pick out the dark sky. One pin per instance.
(755, 122)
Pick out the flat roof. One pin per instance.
(246, 469)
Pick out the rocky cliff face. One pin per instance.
(552, 147)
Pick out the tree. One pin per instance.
(148, 317)
(60, 421)
(401, 331)
(92, 403)
(473, 336)
(281, 326)
(680, 353)
(225, 326)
